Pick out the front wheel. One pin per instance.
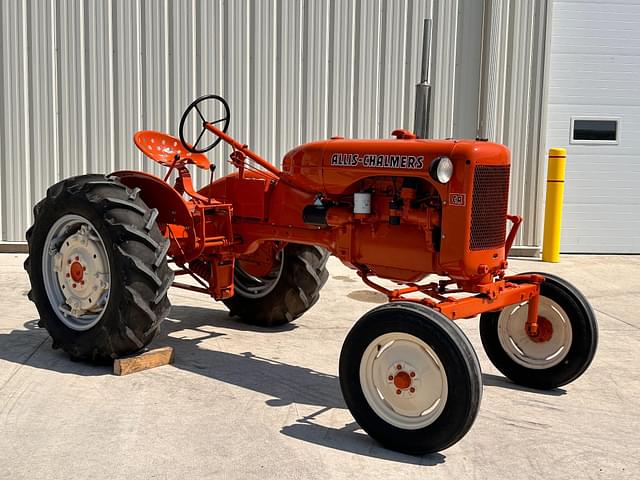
(410, 378)
(560, 353)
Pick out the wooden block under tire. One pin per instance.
(143, 361)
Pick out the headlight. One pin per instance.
(441, 169)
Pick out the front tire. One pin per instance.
(98, 268)
(560, 354)
(410, 378)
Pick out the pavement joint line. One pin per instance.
(616, 318)
(22, 364)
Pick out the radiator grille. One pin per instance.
(489, 206)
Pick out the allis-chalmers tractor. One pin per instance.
(258, 239)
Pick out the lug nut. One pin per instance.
(77, 258)
(68, 275)
(412, 389)
(73, 285)
(413, 374)
(390, 377)
(399, 367)
(398, 391)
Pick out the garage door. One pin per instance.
(594, 111)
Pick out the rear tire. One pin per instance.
(555, 362)
(289, 291)
(94, 229)
(400, 346)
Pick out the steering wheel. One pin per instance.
(197, 105)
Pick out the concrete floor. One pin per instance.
(244, 402)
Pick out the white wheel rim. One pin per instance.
(521, 348)
(408, 406)
(75, 271)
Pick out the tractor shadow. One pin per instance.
(353, 440)
(32, 347)
(286, 384)
(490, 380)
(187, 330)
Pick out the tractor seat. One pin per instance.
(163, 149)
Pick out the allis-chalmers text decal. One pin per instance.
(377, 161)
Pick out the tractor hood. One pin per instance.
(331, 166)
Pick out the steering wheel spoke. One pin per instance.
(200, 113)
(195, 145)
(216, 121)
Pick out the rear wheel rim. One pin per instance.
(403, 380)
(524, 350)
(76, 272)
(251, 286)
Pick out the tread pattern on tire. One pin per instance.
(140, 275)
(298, 289)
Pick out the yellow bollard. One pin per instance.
(553, 205)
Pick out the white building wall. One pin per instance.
(594, 72)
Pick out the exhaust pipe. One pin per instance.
(423, 89)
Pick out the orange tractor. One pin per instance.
(258, 239)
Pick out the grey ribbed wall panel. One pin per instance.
(443, 67)
(79, 78)
(511, 100)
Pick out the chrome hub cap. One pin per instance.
(403, 380)
(76, 274)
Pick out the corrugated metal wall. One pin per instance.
(78, 78)
(511, 101)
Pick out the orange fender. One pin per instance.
(174, 212)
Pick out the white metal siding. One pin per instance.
(78, 78)
(594, 72)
